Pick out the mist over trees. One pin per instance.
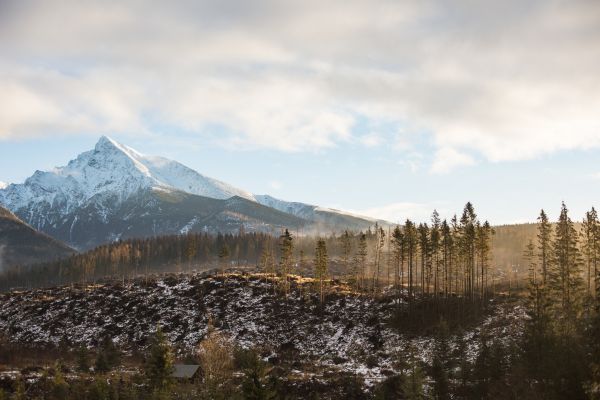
(460, 255)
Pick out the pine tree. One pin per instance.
(591, 247)
(391, 388)
(158, 365)
(483, 247)
(108, 356)
(447, 256)
(529, 256)
(101, 365)
(191, 250)
(223, 257)
(497, 369)
(379, 244)
(544, 237)
(361, 258)
(267, 264)
(346, 242)
(59, 389)
(410, 235)
(594, 346)
(255, 384)
(425, 252)
(435, 239)
(413, 385)
(321, 265)
(468, 222)
(100, 390)
(441, 364)
(301, 260)
(537, 336)
(463, 378)
(286, 249)
(82, 357)
(398, 257)
(482, 368)
(564, 276)
(456, 257)
(263, 263)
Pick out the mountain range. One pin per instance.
(20, 244)
(113, 192)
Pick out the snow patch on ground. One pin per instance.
(350, 333)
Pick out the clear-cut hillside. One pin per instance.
(344, 333)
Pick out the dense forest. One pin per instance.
(425, 255)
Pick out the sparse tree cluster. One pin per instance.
(563, 309)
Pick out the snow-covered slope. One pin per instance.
(302, 210)
(322, 218)
(114, 192)
(89, 194)
(114, 170)
(3, 185)
(348, 332)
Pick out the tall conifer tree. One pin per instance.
(286, 249)
(544, 237)
(361, 258)
(565, 273)
(321, 265)
(591, 247)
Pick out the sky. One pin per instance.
(385, 108)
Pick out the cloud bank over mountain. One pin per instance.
(507, 81)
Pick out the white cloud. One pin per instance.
(506, 81)
(446, 159)
(371, 139)
(400, 211)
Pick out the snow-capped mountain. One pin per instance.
(114, 169)
(3, 185)
(304, 210)
(114, 192)
(301, 210)
(322, 218)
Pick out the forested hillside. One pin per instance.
(20, 244)
(417, 311)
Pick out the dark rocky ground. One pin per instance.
(350, 333)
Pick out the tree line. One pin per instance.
(561, 347)
(440, 258)
(134, 257)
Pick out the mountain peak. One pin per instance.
(112, 171)
(106, 143)
(113, 186)
(105, 139)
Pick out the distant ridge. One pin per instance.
(114, 192)
(20, 244)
